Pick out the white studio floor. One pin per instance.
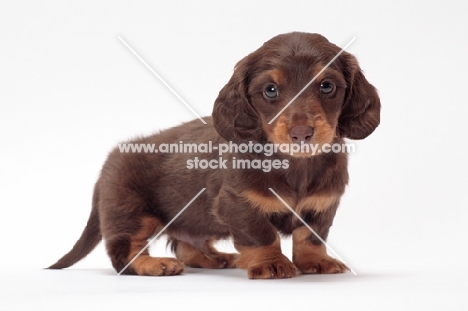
(413, 284)
(101, 289)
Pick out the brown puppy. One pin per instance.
(137, 194)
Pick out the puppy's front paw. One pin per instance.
(278, 268)
(320, 264)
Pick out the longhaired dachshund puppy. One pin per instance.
(138, 194)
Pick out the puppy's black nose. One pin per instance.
(301, 133)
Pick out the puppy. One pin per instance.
(139, 193)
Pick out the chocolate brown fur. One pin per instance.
(137, 194)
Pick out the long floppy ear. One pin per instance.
(233, 115)
(360, 114)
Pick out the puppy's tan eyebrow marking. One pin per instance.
(276, 76)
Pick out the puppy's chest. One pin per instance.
(303, 191)
(314, 201)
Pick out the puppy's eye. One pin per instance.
(326, 87)
(271, 91)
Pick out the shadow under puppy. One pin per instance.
(137, 194)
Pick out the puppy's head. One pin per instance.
(261, 102)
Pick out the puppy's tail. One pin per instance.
(90, 237)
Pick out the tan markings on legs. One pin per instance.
(265, 262)
(317, 202)
(313, 259)
(209, 258)
(267, 204)
(144, 264)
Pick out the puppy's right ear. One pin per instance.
(234, 117)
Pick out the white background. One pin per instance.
(70, 90)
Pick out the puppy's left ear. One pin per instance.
(360, 114)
